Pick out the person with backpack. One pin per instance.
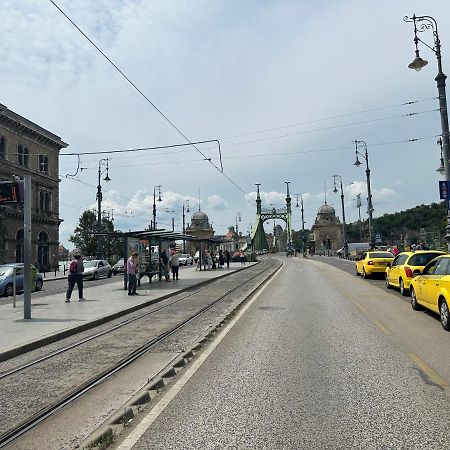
(75, 276)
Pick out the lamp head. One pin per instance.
(107, 177)
(335, 189)
(418, 63)
(357, 163)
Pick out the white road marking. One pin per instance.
(147, 421)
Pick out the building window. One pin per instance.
(43, 164)
(44, 201)
(3, 235)
(2, 147)
(22, 155)
(43, 251)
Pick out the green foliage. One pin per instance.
(84, 236)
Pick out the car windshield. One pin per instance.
(90, 263)
(5, 271)
(381, 255)
(119, 263)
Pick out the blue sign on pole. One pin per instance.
(444, 190)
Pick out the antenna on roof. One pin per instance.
(325, 190)
(199, 199)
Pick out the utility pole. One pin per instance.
(359, 205)
(303, 229)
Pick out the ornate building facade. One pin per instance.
(327, 231)
(28, 149)
(199, 228)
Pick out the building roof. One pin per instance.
(199, 215)
(326, 209)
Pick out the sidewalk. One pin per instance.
(53, 319)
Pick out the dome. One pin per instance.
(199, 215)
(326, 209)
(199, 220)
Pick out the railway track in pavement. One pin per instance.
(35, 390)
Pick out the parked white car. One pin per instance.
(186, 259)
(96, 269)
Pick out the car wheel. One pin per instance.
(365, 276)
(95, 276)
(388, 285)
(39, 285)
(414, 305)
(403, 291)
(9, 290)
(110, 274)
(444, 313)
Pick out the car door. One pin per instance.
(393, 270)
(19, 278)
(434, 282)
(360, 263)
(397, 272)
(101, 268)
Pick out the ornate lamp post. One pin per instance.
(173, 218)
(101, 163)
(344, 232)
(157, 187)
(421, 24)
(357, 163)
(185, 202)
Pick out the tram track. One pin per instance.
(234, 283)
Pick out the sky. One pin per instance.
(284, 86)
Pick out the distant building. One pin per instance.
(28, 149)
(199, 228)
(63, 253)
(327, 231)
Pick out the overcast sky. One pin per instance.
(286, 86)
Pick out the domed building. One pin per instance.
(327, 231)
(199, 228)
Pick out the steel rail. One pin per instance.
(14, 433)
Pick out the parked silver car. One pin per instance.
(96, 269)
(119, 266)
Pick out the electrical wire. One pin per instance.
(339, 116)
(165, 117)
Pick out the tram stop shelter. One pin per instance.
(162, 239)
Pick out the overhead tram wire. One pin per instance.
(122, 73)
(299, 152)
(339, 116)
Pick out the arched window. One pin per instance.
(3, 235)
(2, 147)
(47, 202)
(43, 251)
(19, 246)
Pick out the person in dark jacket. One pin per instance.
(221, 259)
(75, 276)
(227, 257)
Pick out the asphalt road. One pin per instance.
(322, 359)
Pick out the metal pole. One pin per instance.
(184, 231)
(27, 248)
(14, 287)
(173, 223)
(99, 211)
(154, 208)
(369, 197)
(343, 223)
(303, 230)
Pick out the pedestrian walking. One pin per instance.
(164, 259)
(221, 259)
(242, 257)
(175, 264)
(208, 259)
(227, 258)
(76, 269)
(132, 272)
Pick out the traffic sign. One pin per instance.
(444, 190)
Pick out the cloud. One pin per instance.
(216, 203)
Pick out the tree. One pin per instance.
(86, 241)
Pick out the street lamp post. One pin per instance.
(358, 205)
(154, 203)
(173, 218)
(421, 24)
(344, 232)
(102, 162)
(238, 219)
(184, 223)
(357, 163)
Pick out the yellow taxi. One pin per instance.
(373, 262)
(406, 266)
(432, 289)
